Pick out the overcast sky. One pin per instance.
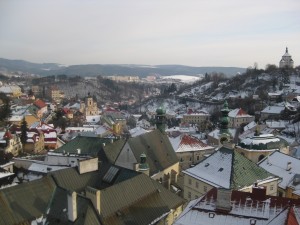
(152, 32)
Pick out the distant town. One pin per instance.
(157, 149)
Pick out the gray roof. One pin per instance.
(22, 203)
(228, 169)
(276, 163)
(158, 149)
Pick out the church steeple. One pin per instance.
(224, 120)
(225, 136)
(286, 60)
(161, 119)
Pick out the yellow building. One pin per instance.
(261, 145)
(228, 169)
(195, 117)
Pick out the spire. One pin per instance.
(161, 119)
(224, 120)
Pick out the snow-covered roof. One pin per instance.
(5, 174)
(137, 131)
(276, 124)
(214, 170)
(263, 141)
(44, 168)
(238, 113)
(250, 126)
(243, 209)
(93, 119)
(187, 143)
(277, 163)
(216, 133)
(273, 109)
(15, 118)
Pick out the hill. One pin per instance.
(45, 69)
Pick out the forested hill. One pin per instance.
(46, 69)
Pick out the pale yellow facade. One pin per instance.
(257, 155)
(195, 118)
(194, 188)
(236, 122)
(167, 176)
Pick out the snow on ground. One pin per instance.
(184, 78)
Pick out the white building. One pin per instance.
(286, 60)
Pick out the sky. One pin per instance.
(150, 32)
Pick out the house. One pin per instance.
(10, 143)
(226, 168)
(238, 117)
(163, 164)
(271, 112)
(50, 134)
(41, 107)
(226, 207)
(192, 117)
(54, 94)
(108, 195)
(11, 90)
(7, 174)
(190, 150)
(35, 141)
(288, 169)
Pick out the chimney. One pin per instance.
(223, 203)
(72, 206)
(259, 192)
(78, 151)
(94, 195)
(289, 166)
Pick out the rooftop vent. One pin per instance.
(289, 166)
(223, 200)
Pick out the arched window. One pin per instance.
(261, 157)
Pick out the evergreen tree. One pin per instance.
(24, 131)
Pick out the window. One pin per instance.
(271, 187)
(197, 184)
(190, 181)
(198, 157)
(204, 188)
(189, 195)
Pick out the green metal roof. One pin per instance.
(244, 172)
(87, 145)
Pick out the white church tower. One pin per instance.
(286, 60)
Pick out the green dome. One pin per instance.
(160, 111)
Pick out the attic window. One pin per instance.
(220, 170)
(206, 164)
(252, 222)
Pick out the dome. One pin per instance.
(160, 111)
(263, 142)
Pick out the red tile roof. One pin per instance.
(40, 104)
